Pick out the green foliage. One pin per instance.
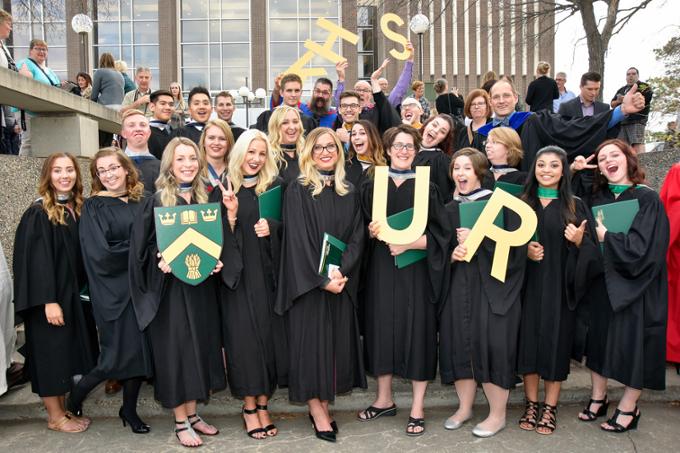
(667, 87)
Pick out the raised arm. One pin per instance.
(399, 91)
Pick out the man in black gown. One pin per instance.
(224, 106)
(200, 108)
(162, 105)
(135, 129)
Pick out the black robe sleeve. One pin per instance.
(387, 115)
(583, 263)
(146, 279)
(33, 256)
(633, 261)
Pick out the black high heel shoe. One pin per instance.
(75, 409)
(328, 436)
(334, 425)
(589, 415)
(137, 426)
(619, 428)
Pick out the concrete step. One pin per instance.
(21, 403)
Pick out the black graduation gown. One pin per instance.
(463, 140)
(512, 177)
(290, 170)
(479, 319)
(181, 321)
(236, 130)
(105, 228)
(323, 333)
(148, 174)
(439, 164)
(253, 336)
(400, 305)
(354, 172)
(48, 268)
(552, 290)
(190, 131)
(158, 140)
(629, 301)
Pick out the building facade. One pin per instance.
(220, 43)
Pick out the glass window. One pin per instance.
(291, 24)
(366, 47)
(222, 27)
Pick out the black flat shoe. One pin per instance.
(137, 426)
(328, 436)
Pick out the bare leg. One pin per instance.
(200, 426)
(383, 398)
(466, 390)
(531, 382)
(552, 397)
(628, 403)
(186, 437)
(321, 418)
(599, 392)
(54, 405)
(498, 400)
(263, 415)
(418, 404)
(530, 417)
(252, 420)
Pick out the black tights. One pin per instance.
(130, 393)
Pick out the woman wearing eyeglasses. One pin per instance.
(320, 310)
(105, 228)
(478, 110)
(400, 337)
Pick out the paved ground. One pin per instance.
(659, 431)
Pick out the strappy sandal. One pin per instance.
(530, 416)
(271, 426)
(617, 427)
(592, 416)
(253, 432)
(60, 425)
(548, 420)
(372, 412)
(185, 426)
(414, 423)
(199, 420)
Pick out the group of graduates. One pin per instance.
(268, 316)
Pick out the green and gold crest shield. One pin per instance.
(190, 239)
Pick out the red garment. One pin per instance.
(670, 196)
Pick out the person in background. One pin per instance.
(181, 110)
(107, 89)
(290, 92)
(84, 82)
(384, 86)
(418, 88)
(139, 98)
(35, 67)
(489, 78)
(200, 109)
(412, 112)
(122, 67)
(543, 90)
(225, 105)
(449, 103)
(162, 106)
(565, 94)
(633, 126)
(586, 104)
(136, 132)
(478, 110)
(8, 123)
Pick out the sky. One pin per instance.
(649, 29)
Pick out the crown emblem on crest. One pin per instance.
(167, 219)
(209, 216)
(188, 217)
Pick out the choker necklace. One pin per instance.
(619, 188)
(289, 147)
(327, 175)
(502, 168)
(401, 174)
(185, 187)
(548, 194)
(64, 198)
(472, 195)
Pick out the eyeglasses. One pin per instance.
(478, 105)
(103, 172)
(349, 106)
(40, 49)
(322, 92)
(406, 146)
(318, 149)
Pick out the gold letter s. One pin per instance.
(420, 207)
(484, 227)
(394, 36)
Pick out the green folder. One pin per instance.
(399, 221)
(470, 212)
(513, 189)
(331, 254)
(270, 204)
(617, 217)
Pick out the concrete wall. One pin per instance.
(19, 180)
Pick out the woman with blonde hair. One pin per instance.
(320, 307)
(181, 108)
(105, 228)
(180, 320)
(216, 142)
(48, 278)
(248, 288)
(122, 67)
(504, 151)
(542, 90)
(286, 135)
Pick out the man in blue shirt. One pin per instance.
(565, 95)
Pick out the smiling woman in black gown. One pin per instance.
(48, 277)
(105, 228)
(321, 311)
